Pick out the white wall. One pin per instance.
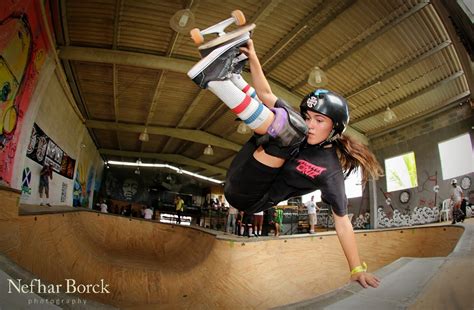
(52, 112)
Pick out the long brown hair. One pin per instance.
(354, 155)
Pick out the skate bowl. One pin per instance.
(152, 265)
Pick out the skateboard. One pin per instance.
(238, 18)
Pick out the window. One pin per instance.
(307, 197)
(353, 185)
(401, 172)
(456, 156)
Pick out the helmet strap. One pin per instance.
(330, 139)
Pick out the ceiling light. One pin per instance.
(317, 77)
(389, 115)
(182, 21)
(208, 150)
(243, 128)
(144, 137)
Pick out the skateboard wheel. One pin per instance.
(196, 36)
(239, 17)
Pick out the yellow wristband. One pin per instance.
(358, 269)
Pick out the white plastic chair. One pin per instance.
(445, 209)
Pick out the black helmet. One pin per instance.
(330, 104)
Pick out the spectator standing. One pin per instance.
(179, 203)
(457, 197)
(148, 213)
(231, 220)
(312, 217)
(103, 207)
(258, 223)
(45, 175)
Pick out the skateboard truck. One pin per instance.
(237, 17)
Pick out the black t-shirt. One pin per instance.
(312, 169)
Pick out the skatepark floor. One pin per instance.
(411, 283)
(440, 282)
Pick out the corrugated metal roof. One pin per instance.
(379, 54)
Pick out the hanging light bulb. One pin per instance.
(389, 115)
(243, 128)
(317, 77)
(144, 137)
(182, 21)
(208, 150)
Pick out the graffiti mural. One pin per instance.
(23, 50)
(362, 221)
(79, 196)
(419, 215)
(148, 186)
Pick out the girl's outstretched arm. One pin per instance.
(259, 81)
(347, 239)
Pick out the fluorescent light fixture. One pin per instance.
(176, 169)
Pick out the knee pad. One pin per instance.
(286, 133)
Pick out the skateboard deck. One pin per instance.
(227, 37)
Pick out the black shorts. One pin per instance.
(248, 181)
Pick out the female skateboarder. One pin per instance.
(291, 153)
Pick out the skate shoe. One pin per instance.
(239, 63)
(218, 64)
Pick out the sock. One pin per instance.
(239, 81)
(242, 231)
(249, 110)
(259, 232)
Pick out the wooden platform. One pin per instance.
(149, 265)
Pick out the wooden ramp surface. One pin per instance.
(150, 265)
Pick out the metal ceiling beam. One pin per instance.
(118, 12)
(183, 134)
(411, 97)
(116, 106)
(161, 63)
(192, 6)
(172, 158)
(447, 105)
(461, 51)
(64, 22)
(265, 9)
(361, 44)
(398, 68)
(220, 109)
(302, 26)
(187, 114)
(151, 62)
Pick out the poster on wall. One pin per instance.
(23, 50)
(26, 183)
(43, 150)
(63, 192)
